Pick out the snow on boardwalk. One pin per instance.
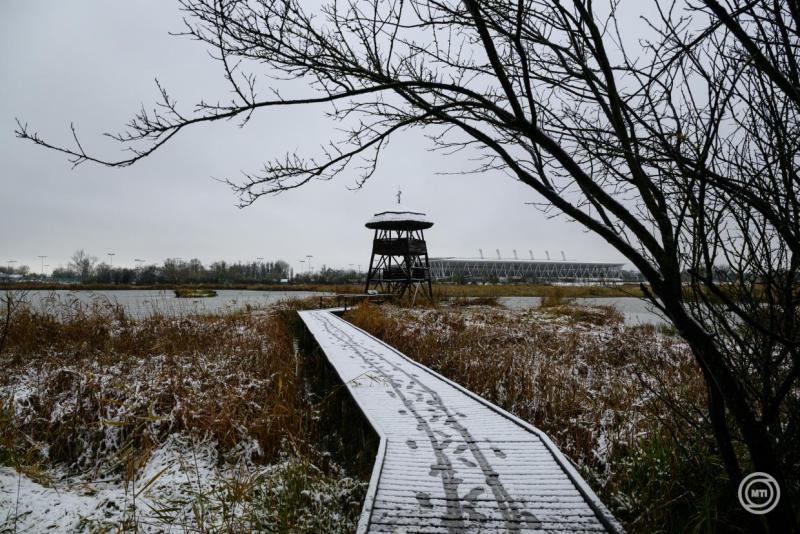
(450, 461)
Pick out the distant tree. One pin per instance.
(195, 271)
(170, 270)
(219, 270)
(281, 269)
(64, 273)
(147, 275)
(683, 152)
(124, 275)
(103, 273)
(82, 264)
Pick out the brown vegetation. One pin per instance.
(91, 393)
(193, 292)
(536, 290)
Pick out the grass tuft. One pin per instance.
(192, 292)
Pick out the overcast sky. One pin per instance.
(93, 63)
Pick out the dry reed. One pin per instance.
(88, 392)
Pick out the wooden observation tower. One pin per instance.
(399, 261)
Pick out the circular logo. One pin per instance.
(759, 493)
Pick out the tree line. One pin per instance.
(85, 268)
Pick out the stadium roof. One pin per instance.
(527, 261)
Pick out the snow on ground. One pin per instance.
(183, 489)
(176, 472)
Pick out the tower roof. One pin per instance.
(399, 217)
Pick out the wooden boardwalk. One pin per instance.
(450, 461)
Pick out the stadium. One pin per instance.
(510, 270)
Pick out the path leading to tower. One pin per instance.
(450, 461)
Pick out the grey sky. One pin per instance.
(94, 62)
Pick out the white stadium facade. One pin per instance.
(487, 270)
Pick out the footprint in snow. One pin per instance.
(499, 453)
(424, 499)
(466, 462)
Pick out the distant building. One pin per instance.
(508, 270)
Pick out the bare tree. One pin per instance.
(681, 152)
(82, 264)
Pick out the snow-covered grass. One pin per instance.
(183, 488)
(626, 404)
(201, 423)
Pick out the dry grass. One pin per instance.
(536, 290)
(193, 292)
(605, 393)
(214, 376)
(89, 392)
(443, 291)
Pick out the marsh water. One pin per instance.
(141, 303)
(636, 311)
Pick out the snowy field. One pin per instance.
(181, 488)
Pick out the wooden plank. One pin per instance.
(450, 461)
